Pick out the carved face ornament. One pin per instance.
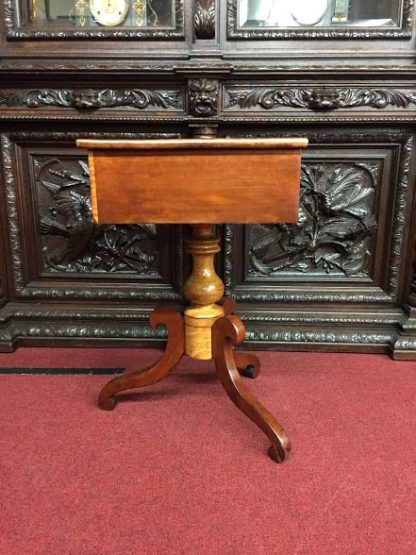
(203, 97)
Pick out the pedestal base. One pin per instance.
(227, 331)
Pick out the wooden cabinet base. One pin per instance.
(227, 332)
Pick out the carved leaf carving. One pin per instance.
(70, 241)
(320, 99)
(204, 19)
(90, 99)
(335, 228)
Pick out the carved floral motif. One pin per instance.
(319, 99)
(335, 228)
(70, 240)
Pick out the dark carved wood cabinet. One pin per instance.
(339, 72)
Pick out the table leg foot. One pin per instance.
(227, 332)
(175, 348)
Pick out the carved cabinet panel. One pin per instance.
(57, 251)
(350, 229)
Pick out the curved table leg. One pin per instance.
(229, 305)
(175, 348)
(227, 332)
(248, 364)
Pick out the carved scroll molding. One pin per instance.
(9, 172)
(203, 97)
(90, 99)
(236, 32)
(14, 32)
(204, 19)
(317, 99)
(300, 335)
(49, 325)
(400, 213)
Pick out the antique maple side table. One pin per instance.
(201, 182)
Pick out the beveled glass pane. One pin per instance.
(100, 14)
(319, 13)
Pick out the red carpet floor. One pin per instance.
(177, 469)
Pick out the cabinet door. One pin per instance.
(325, 19)
(96, 19)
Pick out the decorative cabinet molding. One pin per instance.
(16, 31)
(204, 19)
(3, 281)
(318, 99)
(91, 99)
(260, 31)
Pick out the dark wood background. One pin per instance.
(341, 279)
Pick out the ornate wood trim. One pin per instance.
(55, 330)
(304, 335)
(268, 98)
(407, 145)
(93, 99)
(404, 31)
(13, 32)
(204, 19)
(9, 172)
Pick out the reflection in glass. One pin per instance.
(102, 13)
(319, 13)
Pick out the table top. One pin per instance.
(185, 144)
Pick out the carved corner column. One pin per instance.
(3, 280)
(404, 347)
(5, 338)
(2, 291)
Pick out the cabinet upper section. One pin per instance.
(297, 32)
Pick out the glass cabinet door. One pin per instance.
(318, 18)
(97, 18)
